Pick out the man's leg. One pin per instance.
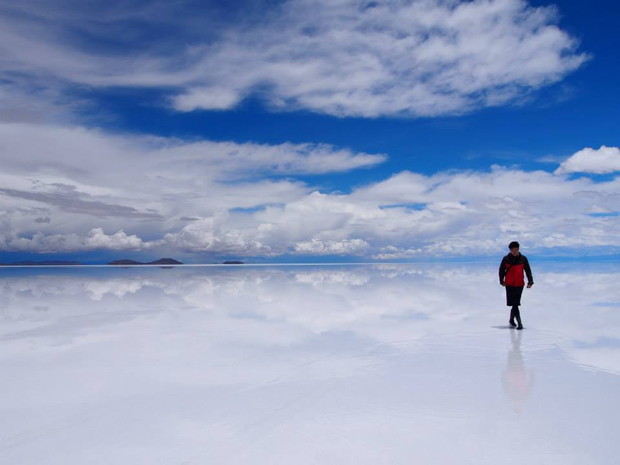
(512, 315)
(518, 317)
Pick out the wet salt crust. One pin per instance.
(393, 364)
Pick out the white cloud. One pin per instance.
(344, 247)
(394, 253)
(461, 214)
(95, 239)
(117, 241)
(215, 235)
(603, 160)
(64, 181)
(230, 159)
(69, 188)
(57, 148)
(341, 57)
(213, 98)
(415, 58)
(116, 180)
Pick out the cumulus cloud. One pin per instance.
(95, 239)
(394, 253)
(151, 179)
(215, 235)
(340, 57)
(603, 160)
(62, 190)
(67, 180)
(320, 247)
(454, 214)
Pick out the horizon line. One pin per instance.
(282, 264)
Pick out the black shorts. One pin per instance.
(513, 295)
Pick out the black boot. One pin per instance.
(511, 322)
(518, 317)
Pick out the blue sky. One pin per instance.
(308, 130)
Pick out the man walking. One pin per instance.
(511, 271)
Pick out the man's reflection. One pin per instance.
(517, 380)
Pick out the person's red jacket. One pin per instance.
(511, 271)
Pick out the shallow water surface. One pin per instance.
(302, 365)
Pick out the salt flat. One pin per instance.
(390, 364)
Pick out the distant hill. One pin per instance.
(125, 261)
(232, 262)
(161, 261)
(41, 263)
(165, 261)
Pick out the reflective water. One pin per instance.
(308, 365)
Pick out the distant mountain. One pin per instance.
(41, 263)
(232, 262)
(165, 261)
(125, 261)
(161, 261)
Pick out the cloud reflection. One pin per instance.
(222, 361)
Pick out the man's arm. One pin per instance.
(528, 273)
(502, 271)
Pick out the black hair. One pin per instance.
(513, 244)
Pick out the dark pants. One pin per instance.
(513, 299)
(513, 295)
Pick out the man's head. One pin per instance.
(514, 248)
